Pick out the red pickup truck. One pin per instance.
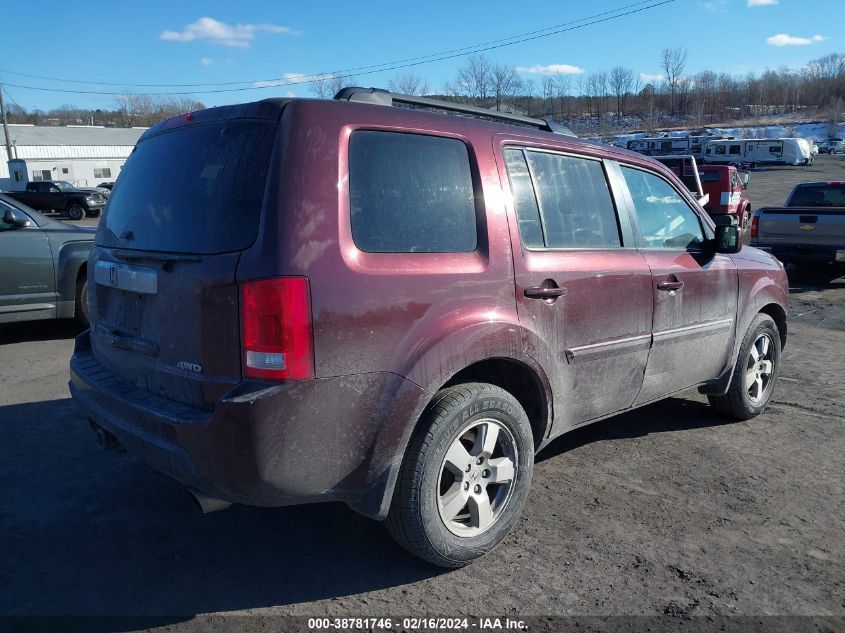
(721, 185)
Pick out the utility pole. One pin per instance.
(5, 125)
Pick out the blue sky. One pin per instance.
(215, 42)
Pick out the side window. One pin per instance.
(665, 219)
(575, 207)
(411, 193)
(735, 149)
(527, 211)
(720, 149)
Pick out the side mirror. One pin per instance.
(746, 177)
(728, 239)
(17, 219)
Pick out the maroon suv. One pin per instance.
(369, 301)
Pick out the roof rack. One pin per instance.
(378, 96)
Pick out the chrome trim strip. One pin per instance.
(585, 353)
(123, 277)
(668, 337)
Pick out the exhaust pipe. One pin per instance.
(208, 504)
(107, 441)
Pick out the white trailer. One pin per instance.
(669, 145)
(768, 151)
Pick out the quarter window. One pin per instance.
(665, 219)
(411, 193)
(575, 207)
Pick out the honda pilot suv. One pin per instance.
(373, 300)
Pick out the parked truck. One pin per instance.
(718, 187)
(61, 196)
(810, 228)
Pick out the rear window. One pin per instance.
(575, 208)
(411, 193)
(818, 196)
(197, 189)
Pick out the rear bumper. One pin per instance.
(268, 445)
(806, 253)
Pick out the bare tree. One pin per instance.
(328, 86)
(408, 84)
(474, 80)
(621, 83)
(673, 62)
(503, 81)
(144, 110)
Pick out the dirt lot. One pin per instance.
(666, 510)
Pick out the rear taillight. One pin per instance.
(754, 222)
(276, 329)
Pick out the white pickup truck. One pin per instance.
(810, 228)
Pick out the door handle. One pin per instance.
(671, 286)
(547, 291)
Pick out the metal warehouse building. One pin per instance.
(82, 155)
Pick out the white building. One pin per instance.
(83, 155)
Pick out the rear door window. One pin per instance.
(411, 193)
(196, 189)
(575, 206)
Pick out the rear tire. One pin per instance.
(755, 374)
(81, 311)
(465, 476)
(75, 212)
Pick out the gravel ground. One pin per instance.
(663, 511)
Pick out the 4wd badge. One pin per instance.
(186, 366)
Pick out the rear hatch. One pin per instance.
(165, 309)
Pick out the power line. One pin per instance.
(308, 79)
(11, 98)
(347, 71)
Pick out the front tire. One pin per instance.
(755, 374)
(81, 312)
(465, 476)
(75, 212)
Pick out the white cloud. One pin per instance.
(651, 79)
(206, 61)
(782, 39)
(761, 3)
(717, 6)
(237, 35)
(551, 69)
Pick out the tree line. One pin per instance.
(129, 110)
(601, 102)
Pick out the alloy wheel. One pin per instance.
(476, 477)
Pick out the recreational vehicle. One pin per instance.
(669, 145)
(779, 151)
